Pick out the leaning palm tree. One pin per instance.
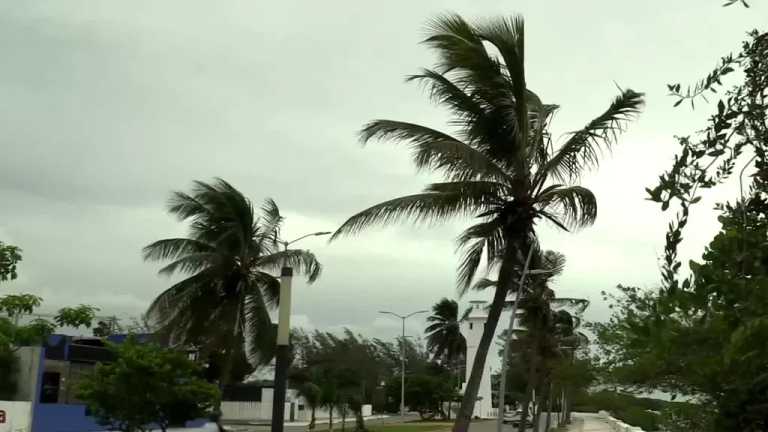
(501, 167)
(228, 261)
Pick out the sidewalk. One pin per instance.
(588, 422)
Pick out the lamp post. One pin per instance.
(283, 332)
(402, 356)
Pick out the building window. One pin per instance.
(470, 326)
(50, 390)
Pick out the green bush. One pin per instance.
(639, 417)
(9, 365)
(627, 408)
(147, 384)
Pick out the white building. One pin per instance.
(472, 329)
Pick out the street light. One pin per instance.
(283, 332)
(402, 356)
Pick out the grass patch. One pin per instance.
(412, 427)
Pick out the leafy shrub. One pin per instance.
(9, 365)
(639, 417)
(147, 385)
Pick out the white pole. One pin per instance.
(402, 375)
(510, 328)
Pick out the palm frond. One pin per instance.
(190, 263)
(262, 334)
(484, 283)
(574, 206)
(269, 286)
(487, 191)
(461, 53)
(553, 262)
(185, 206)
(582, 150)
(472, 255)
(173, 248)
(419, 208)
(443, 91)
(508, 36)
(492, 232)
(272, 220)
(302, 260)
(178, 295)
(436, 151)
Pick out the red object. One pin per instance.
(2, 416)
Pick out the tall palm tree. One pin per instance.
(228, 261)
(547, 328)
(501, 167)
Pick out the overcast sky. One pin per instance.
(108, 106)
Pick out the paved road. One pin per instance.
(264, 427)
(490, 426)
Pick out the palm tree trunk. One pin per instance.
(330, 418)
(539, 405)
(473, 385)
(562, 406)
(359, 421)
(529, 390)
(549, 408)
(343, 418)
(449, 409)
(312, 419)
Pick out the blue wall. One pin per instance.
(71, 418)
(62, 418)
(67, 417)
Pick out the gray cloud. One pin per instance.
(108, 106)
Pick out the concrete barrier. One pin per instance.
(15, 416)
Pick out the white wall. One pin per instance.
(18, 416)
(252, 411)
(28, 375)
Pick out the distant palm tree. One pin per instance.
(312, 394)
(444, 338)
(502, 167)
(228, 259)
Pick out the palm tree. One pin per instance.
(502, 167)
(444, 338)
(311, 393)
(548, 328)
(228, 260)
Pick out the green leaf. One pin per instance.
(715, 153)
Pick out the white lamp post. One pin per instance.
(402, 356)
(283, 333)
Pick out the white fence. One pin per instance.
(253, 411)
(15, 416)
